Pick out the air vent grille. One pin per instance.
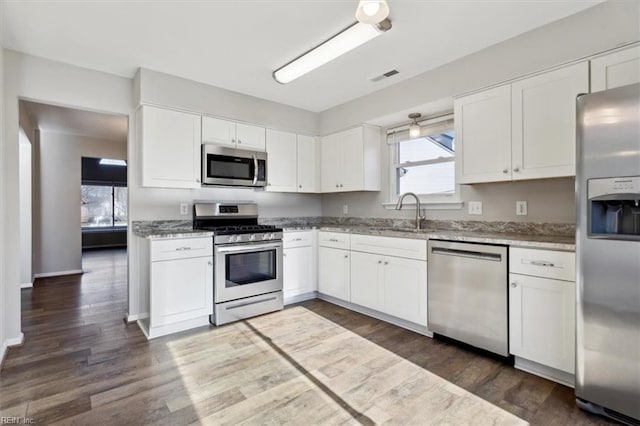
(383, 76)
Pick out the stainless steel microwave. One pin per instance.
(233, 167)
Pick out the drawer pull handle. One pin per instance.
(543, 264)
(183, 248)
(333, 240)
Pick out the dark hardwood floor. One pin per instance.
(81, 364)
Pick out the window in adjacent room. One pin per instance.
(103, 193)
(424, 165)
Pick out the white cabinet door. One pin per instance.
(181, 290)
(329, 164)
(350, 159)
(298, 273)
(307, 164)
(615, 69)
(544, 122)
(367, 280)
(483, 136)
(542, 321)
(334, 272)
(405, 289)
(221, 132)
(170, 148)
(282, 157)
(250, 137)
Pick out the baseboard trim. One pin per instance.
(300, 298)
(378, 315)
(549, 373)
(132, 318)
(9, 343)
(59, 273)
(3, 354)
(26, 285)
(16, 341)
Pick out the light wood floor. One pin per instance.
(314, 363)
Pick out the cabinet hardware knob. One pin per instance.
(239, 141)
(233, 140)
(379, 262)
(300, 186)
(284, 254)
(198, 180)
(517, 169)
(341, 185)
(514, 285)
(346, 256)
(505, 171)
(337, 186)
(386, 263)
(210, 263)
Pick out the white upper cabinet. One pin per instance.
(170, 142)
(232, 134)
(522, 130)
(544, 122)
(350, 160)
(483, 135)
(307, 164)
(282, 161)
(615, 69)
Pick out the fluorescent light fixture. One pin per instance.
(341, 43)
(372, 11)
(112, 162)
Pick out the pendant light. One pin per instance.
(414, 128)
(372, 11)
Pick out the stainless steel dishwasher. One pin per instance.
(467, 293)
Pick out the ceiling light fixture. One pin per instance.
(372, 11)
(341, 43)
(112, 162)
(414, 128)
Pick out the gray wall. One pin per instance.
(597, 29)
(57, 178)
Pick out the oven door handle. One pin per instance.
(247, 247)
(255, 169)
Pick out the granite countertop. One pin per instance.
(532, 235)
(164, 229)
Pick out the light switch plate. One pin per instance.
(475, 207)
(521, 208)
(184, 208)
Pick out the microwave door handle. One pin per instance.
(255, 169)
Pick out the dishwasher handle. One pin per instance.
(494, 257)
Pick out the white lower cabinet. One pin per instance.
(367, 280)
(334, 268)
(542, 309)
(180, 282)
(299, 272)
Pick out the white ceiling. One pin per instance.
(77, 122)
(238, 44)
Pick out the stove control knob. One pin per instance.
(252, 237)
(232, 238)
(265, 236)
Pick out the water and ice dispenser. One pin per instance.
(614, 208)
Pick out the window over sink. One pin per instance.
(424, 165)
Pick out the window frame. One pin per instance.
(427, 201)
(113, 227)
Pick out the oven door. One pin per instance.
(244, 270)
(233, 167)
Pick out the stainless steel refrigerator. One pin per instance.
(608, 253)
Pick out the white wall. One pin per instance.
(26, 277)
(57, 230)
(41, 80)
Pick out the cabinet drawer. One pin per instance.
(558, 265)
(390, 246)
(297, 239)
(181, 248)
(334, 239)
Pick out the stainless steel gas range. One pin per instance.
(247, 260)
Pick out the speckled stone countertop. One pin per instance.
(517, 234)
(161, 229)
(525, 234)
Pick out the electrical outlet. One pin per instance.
(475, 207)
(345, 209)
(184, 208)
(521, 208)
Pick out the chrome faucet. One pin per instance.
(418, 209)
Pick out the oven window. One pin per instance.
(248, 268)
(223, 166)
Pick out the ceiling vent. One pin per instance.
(385, 75)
